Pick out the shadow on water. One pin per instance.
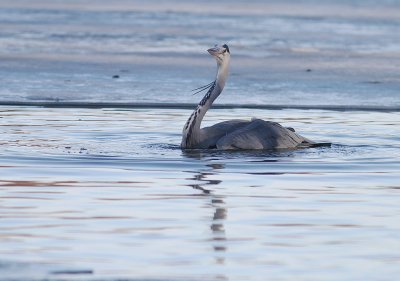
(258, 155)
(203, 154)
(333, 151)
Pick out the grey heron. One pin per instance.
(234, 134)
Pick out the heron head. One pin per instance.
(220, 53)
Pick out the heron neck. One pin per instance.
(192, 133)
(216, 89)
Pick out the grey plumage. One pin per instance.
(260, 134)
(235, 134)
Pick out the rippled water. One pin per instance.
(283, 52)
(107, 194)
(96, 193)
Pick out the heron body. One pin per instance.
(234, 134)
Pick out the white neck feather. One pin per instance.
(191, 132)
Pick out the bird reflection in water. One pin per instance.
(217, 227)
(217, 203)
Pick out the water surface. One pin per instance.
(283, 52)
(104, 193)
(107, 194)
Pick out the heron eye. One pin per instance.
(224, 51)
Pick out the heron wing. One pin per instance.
(210, 135)
(260, 134)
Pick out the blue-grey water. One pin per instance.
(107, 194)
(283, 52)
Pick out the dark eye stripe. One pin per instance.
(226, 47)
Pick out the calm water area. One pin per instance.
(107, 193)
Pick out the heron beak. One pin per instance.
(214, 51)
